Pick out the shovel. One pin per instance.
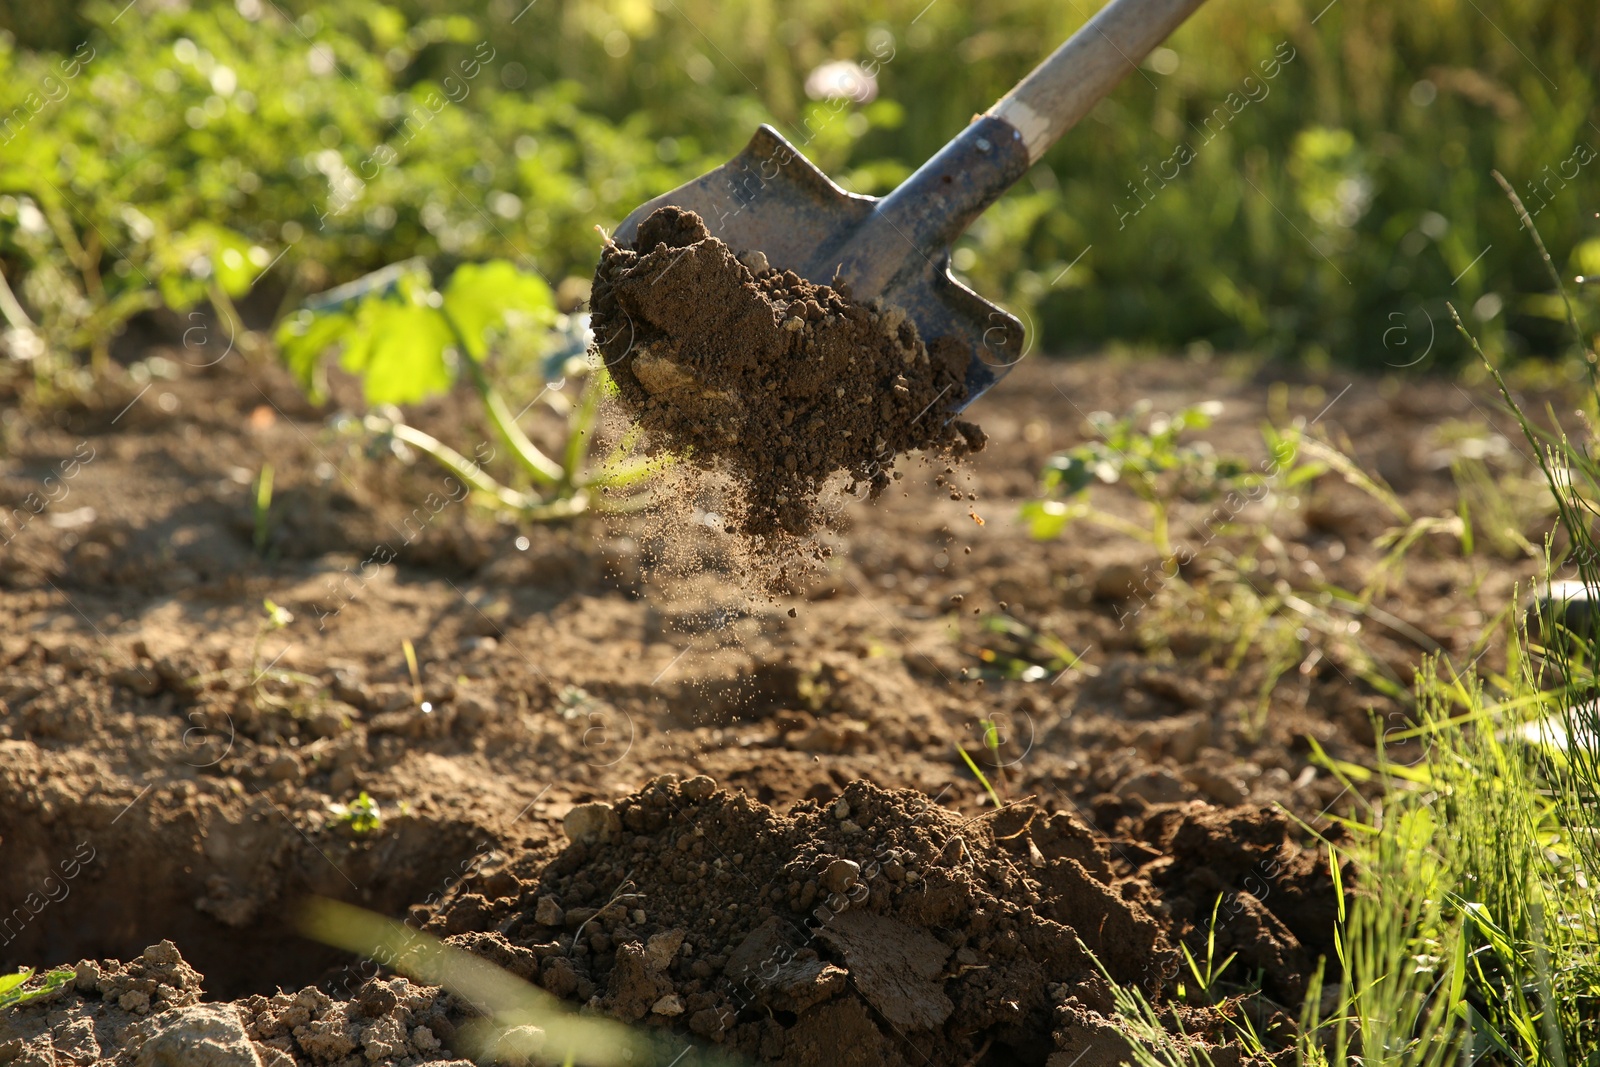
(770, 198)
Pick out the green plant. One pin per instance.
(363, 815)
(260, 671)
(1222, 571)
(20, 988)
(263, 509)
(518, 1022)
(408, 341)
(983, 779)
(1011, 649)
(1143, 452)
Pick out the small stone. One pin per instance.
(548, 912)
(638, 916)
(1218, 787)
(669, 1005)
(841, 875)
(659, 950)
(841, 809)
(1116, 581)
(706, 1022)
(756, 260)
(591, 822)
(699, 788)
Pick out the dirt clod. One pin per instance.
(737, 364)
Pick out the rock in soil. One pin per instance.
(740, 365)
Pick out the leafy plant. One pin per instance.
(1142, 451)
(408, 341)
(20, 988)
(363, 815)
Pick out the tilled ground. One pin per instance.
(633, 777)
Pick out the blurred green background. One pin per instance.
(1307, 182)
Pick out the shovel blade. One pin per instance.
(770, 198)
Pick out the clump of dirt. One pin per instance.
(739, 364)
(876, 922)
(148, 1012)
(1239, 882)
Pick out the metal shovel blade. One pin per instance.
(770, 198)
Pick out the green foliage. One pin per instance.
(400, 335)
(1226, 576)
(363, 815)
(20, 988)
(404, 338)
(1144, 453)
(1308, 188)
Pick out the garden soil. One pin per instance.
(743, 366)
(744, 824)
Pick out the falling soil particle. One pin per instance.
(739, 365)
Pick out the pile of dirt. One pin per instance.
(148, 1013)
(738, 364)
(875, 928)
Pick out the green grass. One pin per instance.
(1473, 935)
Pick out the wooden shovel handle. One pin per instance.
(1063, 89)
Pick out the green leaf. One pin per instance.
(399, 351)
(203, 252)
(303, 338)
(480, 297)
(1046, 518)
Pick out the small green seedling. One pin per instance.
(263, 509)
(1143, 452)
(416, 673)
(980, 776)
(363, 815)
(20, 988)
(274, 617)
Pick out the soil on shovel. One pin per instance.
(740, 365)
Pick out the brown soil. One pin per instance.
(740, 365)
(168, 762)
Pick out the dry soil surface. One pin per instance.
(630, 775)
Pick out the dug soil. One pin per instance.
(745, 825)
(742, 366)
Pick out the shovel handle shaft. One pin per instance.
(1067, 85)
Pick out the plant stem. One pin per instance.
(544, 470)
